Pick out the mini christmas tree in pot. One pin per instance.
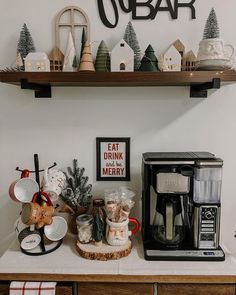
(77, 194)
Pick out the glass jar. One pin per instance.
(85, 228)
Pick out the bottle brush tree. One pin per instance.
(211, 28)
(131, 39)
(98, 229)
(25, 42)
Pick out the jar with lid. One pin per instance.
(85, 228)
(99, 217)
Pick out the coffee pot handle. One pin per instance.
(136, 223)
(169, 221)
(232, 49)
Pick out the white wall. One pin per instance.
(156, 119)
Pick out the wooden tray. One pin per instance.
(104, 252)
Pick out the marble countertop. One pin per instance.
(66, 260)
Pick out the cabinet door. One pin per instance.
(196, 289)
(114, 289)
(4, 289)
(63, 290)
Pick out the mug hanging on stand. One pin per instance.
(28, 237)
(23, 189)
(40, 215)
(53, 183)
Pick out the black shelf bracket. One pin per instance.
(40, 90)
(201, 90)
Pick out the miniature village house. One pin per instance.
(122, 58)
(37, 62)
(189, 61)
(170, 61)
(180, 47)
(56, 58)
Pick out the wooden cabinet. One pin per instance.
(63, 290)
(4, 289)
(196, 289)
(115, 289)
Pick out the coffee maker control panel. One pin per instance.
(208, 227)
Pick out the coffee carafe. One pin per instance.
(168, 224)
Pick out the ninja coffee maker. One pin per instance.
(181, 195)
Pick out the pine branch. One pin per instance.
(77, 192)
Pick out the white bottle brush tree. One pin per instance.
(77, 194)
(211, 30)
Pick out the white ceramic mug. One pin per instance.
(19, 226)
(57, 230)
(214, 49)
(53, 183)
(28, 237)
(118, 233)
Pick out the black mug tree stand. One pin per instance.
(42, 247)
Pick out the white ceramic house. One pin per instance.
(170, 61)
(37, 62)
(122, 58)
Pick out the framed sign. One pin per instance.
(113, 158)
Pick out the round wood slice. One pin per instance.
(103, 252)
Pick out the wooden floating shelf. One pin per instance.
(204, 80)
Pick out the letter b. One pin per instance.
(147, 4)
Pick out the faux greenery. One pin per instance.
(77, 192)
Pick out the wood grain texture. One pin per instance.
(4, 289)
(193, 289)
(103, 253)
(114, 289)
(227, 279)
(117, 79)
(63, 290)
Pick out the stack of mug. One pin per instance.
(37, 208)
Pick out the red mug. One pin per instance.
(23, 189)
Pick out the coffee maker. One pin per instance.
(181, 195)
